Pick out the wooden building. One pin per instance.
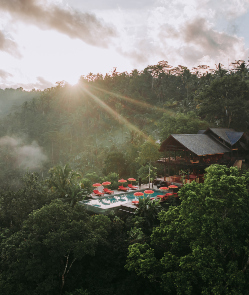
(195, 152)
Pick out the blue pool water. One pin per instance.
(104, 203)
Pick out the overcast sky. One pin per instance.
(45, 41)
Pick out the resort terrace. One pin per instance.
(127, 201)
(192, 153)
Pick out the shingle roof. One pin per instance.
(200, 144)
(228, 135)
(234, 136)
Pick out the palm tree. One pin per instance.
(149, 210)
(62, 182)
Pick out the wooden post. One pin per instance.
(165, 165)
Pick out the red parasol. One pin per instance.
(135, 202)
(97, 184)
(149, 192)
(161, 196)
(131, 179)
(173, 186)
(169, 194)
(122, 180)
(138, 194)
(106, 183)
(163, 188)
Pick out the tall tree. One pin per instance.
(15, 206)
(63, 184)
(40, 257)
(188, 123)
(225, 102)
(201, 246)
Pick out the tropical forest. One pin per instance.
(56, 143)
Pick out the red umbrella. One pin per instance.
(173, 186)
(169, 194)
(160, 196)
(106, 183)
(97, 184)
(149, 192)
(138, 194)
(131, 179)
(122, 180)
(164, 188)
(135, 202)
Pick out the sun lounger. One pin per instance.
(132, 187)
(135, 202)
(122, 188)
(108, 191)
(98, 193)
(163, 199)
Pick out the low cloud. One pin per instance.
(199, 33)
(228, 9)
(198, 39)
(41, 84)
(24, 156)
(75, 24)
(187, 33)
(121, 4)
(141, 51)
(191, 43)
(8, 45)
(4, 75)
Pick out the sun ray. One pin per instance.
(115, 114)
(136, 102)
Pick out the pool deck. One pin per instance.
(98, 206)
(119, 200)
(118, 192)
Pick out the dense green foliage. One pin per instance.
(38, 258)
(201, 246)
(11, 99)
(109, 123)
(108, 128)
(198, 246)
(180, 124)
(48, 246)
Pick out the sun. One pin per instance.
(72, 80)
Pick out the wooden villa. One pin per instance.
(194, 152)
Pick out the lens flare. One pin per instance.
(136, 102)
(115, 115)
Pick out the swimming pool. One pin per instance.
(105, 203)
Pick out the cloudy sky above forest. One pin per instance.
(45, 41)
